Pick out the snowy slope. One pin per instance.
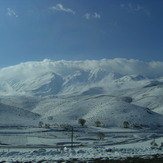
(25, 102)
(109, 110)
(13, 116)
(111, 91)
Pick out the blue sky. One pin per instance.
(32, 30)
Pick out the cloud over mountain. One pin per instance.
(77, 77)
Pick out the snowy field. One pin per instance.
(52, 145)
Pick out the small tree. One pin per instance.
(153, 144)
(47, 125)
(126, 124)
(137, 126)
(82, 121)
(97, 123)
(158, 126)
(40, 124)
(100, 136)
(161, 144)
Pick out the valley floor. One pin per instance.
(47, 145)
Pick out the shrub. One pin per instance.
(158, 126)
(126, 124)
(161, 144)
(137, 126)
(47, 125)
(100, 136)
(153, 143)
(82, 121)
(97, 123)
(40, 124)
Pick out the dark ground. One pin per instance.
(153, 159)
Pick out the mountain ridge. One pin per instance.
(110, 91)
(32, 78)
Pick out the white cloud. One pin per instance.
(135, 8)
(92, 16)
(97, 16)
(87, 16)
(11, 12)
(60, 7)
(118, 65)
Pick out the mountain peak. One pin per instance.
(69, 77)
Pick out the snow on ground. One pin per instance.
(51, 145)
(109, 110)
(81, 154)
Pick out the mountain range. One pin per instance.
(110, 91)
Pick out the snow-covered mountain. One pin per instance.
(111, 91)
(74, 77)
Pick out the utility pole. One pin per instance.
(72, 136)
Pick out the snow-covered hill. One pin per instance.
(111, 91)
(109, 110)
(13, 116)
